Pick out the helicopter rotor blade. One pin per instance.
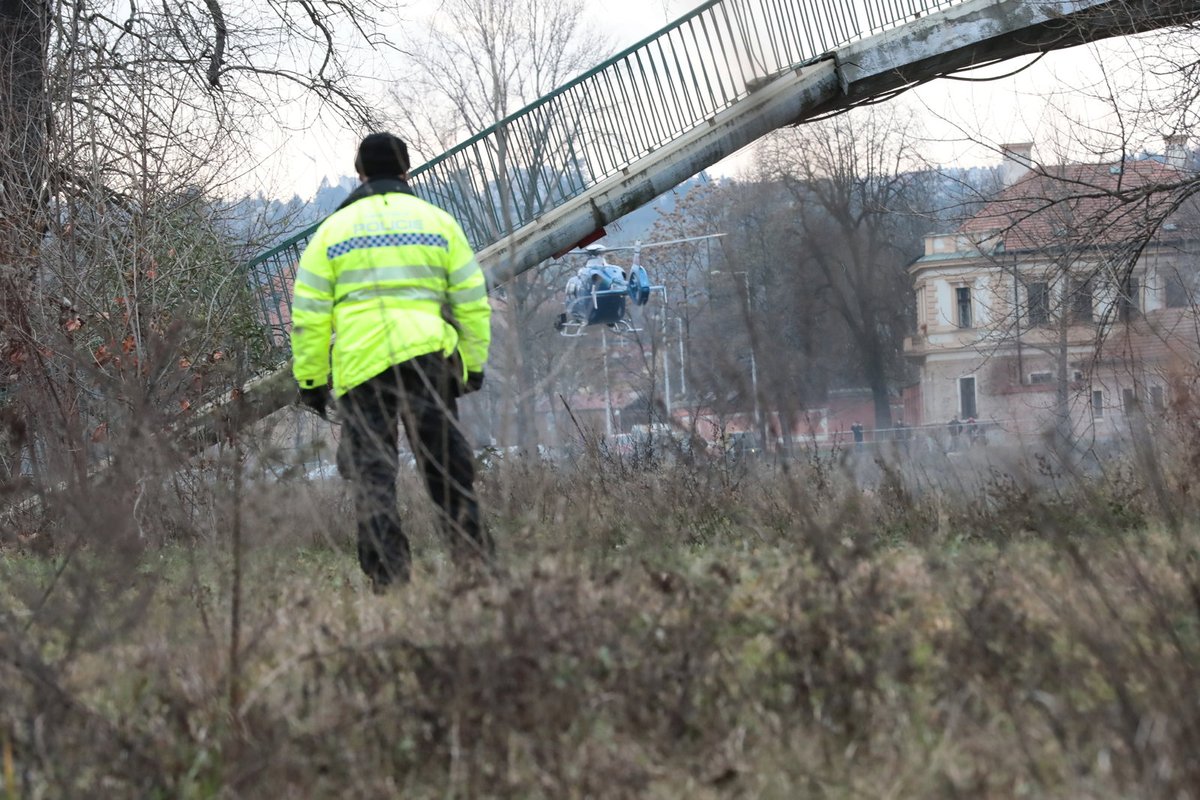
(644, 245)
(622, 248)
(640, 245)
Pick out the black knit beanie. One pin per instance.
(382, 155)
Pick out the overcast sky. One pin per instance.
(960, 118)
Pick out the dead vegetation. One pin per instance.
(702, 630)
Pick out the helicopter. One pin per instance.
(599, 292)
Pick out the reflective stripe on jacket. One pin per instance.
(375, 277)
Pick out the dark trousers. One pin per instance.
(421, 394)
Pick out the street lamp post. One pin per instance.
(608, 407)
(666, 351)
(682, 373)
(666, 354)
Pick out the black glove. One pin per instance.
(317, 399)
(474, 382)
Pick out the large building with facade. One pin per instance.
(1067, 299)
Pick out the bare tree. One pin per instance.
(121, 291)
(857, 198)
(807, 346)
(476, 63)
(685, 269)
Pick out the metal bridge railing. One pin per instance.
(599, 124)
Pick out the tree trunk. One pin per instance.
(23, 34)
(22, 167)
(875, 372)
(23, 121)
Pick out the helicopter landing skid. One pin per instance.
(573, 327)
(624, 326)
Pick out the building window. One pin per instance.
(1097, 404)
(1129, 301)
(962, 296)
(1129, 401)
(1157, 399)
(1177, 293)
(1038, 303)
(966, 398)
(1081, 300)
(1039, 378)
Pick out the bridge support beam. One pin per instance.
(962, 36)
(979, 33)
(772, 105)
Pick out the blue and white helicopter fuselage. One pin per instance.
(601, 293)
(596, 295)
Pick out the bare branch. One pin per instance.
(218, 51)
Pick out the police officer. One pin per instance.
(392, 280)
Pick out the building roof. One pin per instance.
(1079, 205)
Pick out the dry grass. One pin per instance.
(701, 631)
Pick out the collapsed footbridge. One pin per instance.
(687, 96)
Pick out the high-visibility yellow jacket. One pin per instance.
(374, 278)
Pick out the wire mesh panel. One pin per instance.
(604, 121)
